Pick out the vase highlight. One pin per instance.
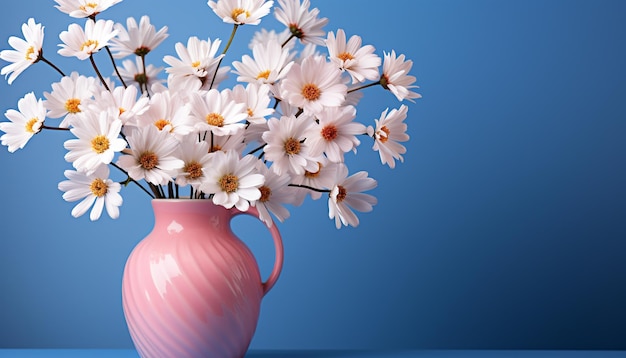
(191, 288)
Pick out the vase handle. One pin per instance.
(278, 245)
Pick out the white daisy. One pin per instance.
(133, 74)
(235, 142)
(256, 99)
(274, 193)
(313, 85)
(196, 158)
(68, 97)
(25, 51)
(389, 132)
(322, 177)
(347, 194)
(216, 111)
(197, 62)
(24, 123)
(168, 113)
(286, 146)
(335, 133)
(241, 12)
(95, 189)
(83, 43)
(153, 156)
(269, 64)
(84, 8)
(263, 36)
(97, 141)
(121, 101)
(138, 40)
(359, 61)
(396, 79)
(233, 181)
(303, 24)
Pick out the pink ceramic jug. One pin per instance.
(191, 288)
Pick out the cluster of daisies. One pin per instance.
(277, 136)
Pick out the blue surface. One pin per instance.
(504, 228)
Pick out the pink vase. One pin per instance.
(191, 288)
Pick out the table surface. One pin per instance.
(130, 353)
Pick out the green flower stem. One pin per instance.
(93, 63)
(115, 66)
(230, 41)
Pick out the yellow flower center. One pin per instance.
(215, 148)
(29, 52)
(162, 123)
(100, 144)
(311, 92)
(193, 170)
(122, 110)
(329, 132)
(215, 119)
(266, 192)
(265, 74)
(309, 174)
(88, 43)
(229, 183)
(250, 112)
(384, 138)
(341, 195)
(91, 5)
(71, 105)
(148, 160)
(238, 11)
(30, 124)
(195, 64)
(99, 187)
(292, 146)
(345, 56)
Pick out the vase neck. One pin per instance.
(172, 212)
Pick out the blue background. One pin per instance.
(504, 229)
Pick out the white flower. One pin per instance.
(153, 156)
(121, 101)
(83, 43)
(196, 158)
(286, 146)
(94, 189)
(322, 177)
(97, 141)
(138, 40)
(360, 62)
(197, 62)
(256, 99)
(133, 73)
(347, 194)
(233, 181)
(313, 85)
(389, 132)
(274, 193)
(270, 63)
(84, 8)
(23, 123)
(217, 112)
(68, 97)
(303, 24)
(168, 113)
(396, 79)
(241, 12)
(235, 142)
(335, 133)
(26, 51)
(263, 36)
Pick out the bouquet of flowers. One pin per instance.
(276, 137)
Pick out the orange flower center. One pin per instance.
(265, 74)
(292, 146)
(88, 43)
(229, 183)
(345, 56)
(309, 174)
(311, 92)
(384, 138)
(266, 192)
(329, 132)
(341, 195)
(148, 160)
(98, 187)
(215, 119)
(29, 52)
(30, 124)
(100, 144)
(162, 123)
(71, 105)
(238, 11)
(193, 170)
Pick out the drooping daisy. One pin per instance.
(97, 141)
(347, 194)
(197, 62)
(25, 51)
(83, 43)
(359, 61)
(84, 8)
(68, 96)
(122, 101)
(95, 189)
(196, 158)
(138, 40)
(168, 113)
(233, 181)
(154, 156)
(389, 132)
(323, 177)
(396, 77)
(241, 12)
(270, 63)
(286, 146)
(335, 133)
(256, 100)
(133, 74)
(24, 123)
(303, 24)
(274, 193)
(313, 85)
(217, 112)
